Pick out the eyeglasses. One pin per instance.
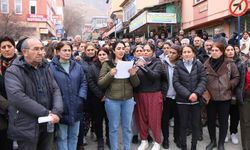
(36, 49)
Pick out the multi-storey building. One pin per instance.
(206, 15)
(39, 18)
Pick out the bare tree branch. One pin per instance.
(9, 26)
(74, 19)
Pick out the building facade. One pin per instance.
(206, 15)
(39, 18)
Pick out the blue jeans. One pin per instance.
(120, 110)
(67, 136)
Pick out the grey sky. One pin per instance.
(92, 7)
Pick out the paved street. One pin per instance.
(201, 145)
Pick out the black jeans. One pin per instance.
(220, 108)
(169, 111)
(5, 143)
(234, 118)
(184, 111)
(99, 114)
(45, 141)
(245, 123)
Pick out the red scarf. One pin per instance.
(247, 80)
(5, 63)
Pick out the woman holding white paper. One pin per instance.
(119, 102)
(149, 101)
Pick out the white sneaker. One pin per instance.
(226, 139)
(85, 141)
(171, 122)
(15, 145)
(143, 145)
(156, 146)
(234, 139)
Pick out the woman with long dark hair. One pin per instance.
(119, 101)
(234, 108)
(97, 97)
(149, 97)
(7, 49)
(223, 77)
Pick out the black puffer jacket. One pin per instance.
(95, 90)
(186, 83)
(150, 76)
(25, 102)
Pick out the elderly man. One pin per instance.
(201, 53)
(208, 46)
(32, 92)
(218, 37)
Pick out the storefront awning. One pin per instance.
(117, 28)
(152, 17)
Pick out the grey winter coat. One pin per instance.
(25, 104)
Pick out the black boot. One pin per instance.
(108, 142)
(80, 147)
(150, 139)
(221, 146)
(177, 142)
(100, 144)
(193, 147)
(184, 147)
(135, 139)
(211, 145)
(165, 143)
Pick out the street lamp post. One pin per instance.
(116, 20)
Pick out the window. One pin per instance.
(18, 6)
(130, 11)
(4, 6)
(33, 7)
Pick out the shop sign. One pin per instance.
(138, 22)
(44, 31)
(37, 18)
(161, 18)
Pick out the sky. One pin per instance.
(92, 7)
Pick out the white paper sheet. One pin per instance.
(122, 69)
(44, 119)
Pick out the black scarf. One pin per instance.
(216, 63)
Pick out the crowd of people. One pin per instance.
(195, 80)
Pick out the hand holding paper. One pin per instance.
(132, 71)
(122, 69)
(44, 119)
(51, 118)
